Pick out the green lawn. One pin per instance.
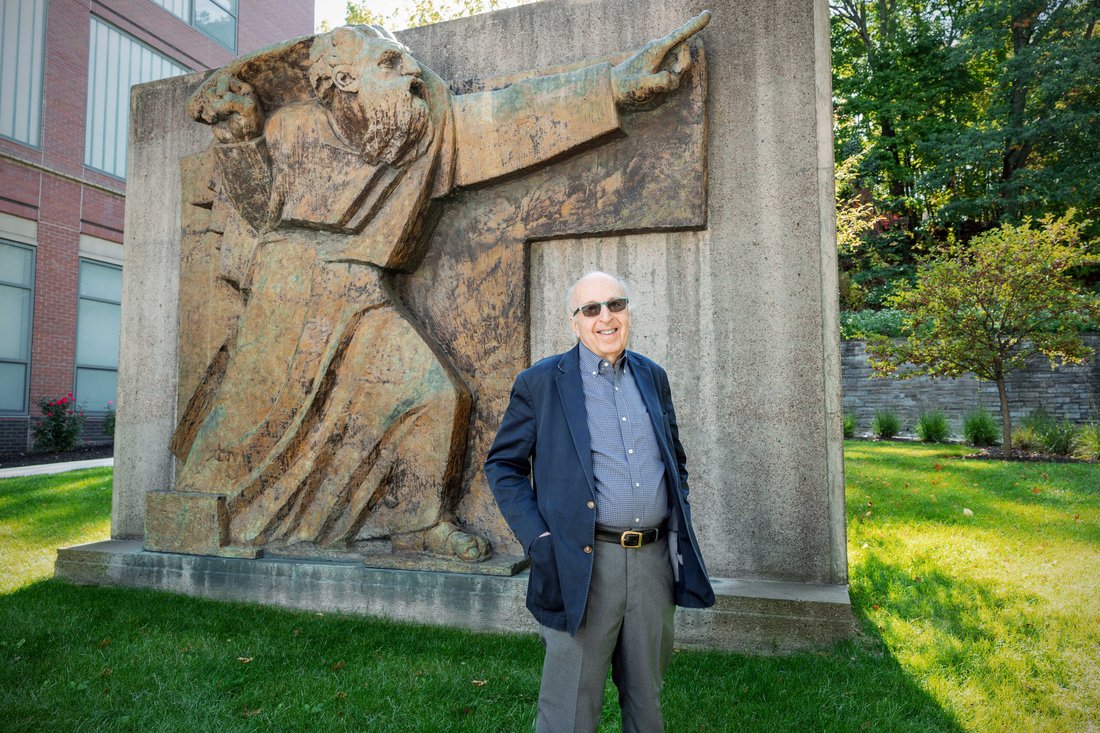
(972, 623)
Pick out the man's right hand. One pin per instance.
(231, 106)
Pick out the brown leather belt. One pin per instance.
(631, 538)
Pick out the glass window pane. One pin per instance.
(15, 322)
(95, 388)
(13, 387)
(97, 330)
(100, 281)
(16, 264)
(216, 22)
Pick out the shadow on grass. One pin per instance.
(120, 659)
(44, 511)
(918, 484)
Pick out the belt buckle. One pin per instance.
(634, 535)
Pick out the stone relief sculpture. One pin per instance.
(329, 398)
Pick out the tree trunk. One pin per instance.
(1006, 419)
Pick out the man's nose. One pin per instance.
(409, 67)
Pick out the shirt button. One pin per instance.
(637, 519)
(594, 373)
(630, 450)
(588, 549)
(624, 419)
(591, 505)
(616, 389)
(637, 486)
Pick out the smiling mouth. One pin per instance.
(607, 331)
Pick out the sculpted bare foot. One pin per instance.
(445, 539)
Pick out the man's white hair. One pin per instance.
(569, 307)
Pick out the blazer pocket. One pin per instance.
(544, 585)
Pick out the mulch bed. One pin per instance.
(34, 458)
(996, 454)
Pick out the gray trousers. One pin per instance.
(627, 626)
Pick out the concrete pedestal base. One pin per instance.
(752, 616)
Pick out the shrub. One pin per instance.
(1039, 421)
(849, 426)
(865, 323)
(109, 420)
(1058, 438)
(60, 424)
(932, 427)
(886, 424)
(1087, 443)
(979, 428)
(1026, 438)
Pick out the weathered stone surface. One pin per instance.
(176, 521)
(327, 396)
(749, 616)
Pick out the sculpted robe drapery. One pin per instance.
(330, 417)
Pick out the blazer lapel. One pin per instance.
(571, 392)
(643, 377)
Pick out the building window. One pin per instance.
(115, 63)
(215, 18)
(97, 329)
(22, 45)
(16, 311)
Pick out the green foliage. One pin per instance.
(1086, 445)
(1048, 434)
(1059, 438)
(867, 323)
(932, 427)
(968, 114)
(1026, 438)
(985, 309)
(60, 424)
(417, 12)
(109, 420)
(886, 425)
(849, 426)
(979, 428)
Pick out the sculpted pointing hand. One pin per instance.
(639, 82)
(231, 106)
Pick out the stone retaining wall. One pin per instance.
(1069, 392)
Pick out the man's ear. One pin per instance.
(573, 325)
(345, 80)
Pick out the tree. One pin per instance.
(966, 114)
(418, 13)
(984, 309)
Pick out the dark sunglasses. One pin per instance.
(591, 310)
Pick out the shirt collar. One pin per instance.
(590, 363)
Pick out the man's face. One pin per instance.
(379, 102)
(606, 334)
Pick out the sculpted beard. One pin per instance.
(385, 125)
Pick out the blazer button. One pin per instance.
(591, 505)
(588, 549)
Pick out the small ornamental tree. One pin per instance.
(985, 308)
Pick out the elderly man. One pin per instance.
(330, 419)
(589, 472)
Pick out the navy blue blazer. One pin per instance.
(540, 471)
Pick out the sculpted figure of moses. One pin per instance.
(330, 417)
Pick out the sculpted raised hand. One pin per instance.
(640, 82)
(231, 107)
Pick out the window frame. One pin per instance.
(77, 366)
(30, 329)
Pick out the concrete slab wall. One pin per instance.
(160, 134)
(743, 313)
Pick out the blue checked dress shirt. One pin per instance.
(626, 460)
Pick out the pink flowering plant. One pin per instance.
(60, 425)
(109, 419)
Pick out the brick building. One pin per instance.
(66, 67)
